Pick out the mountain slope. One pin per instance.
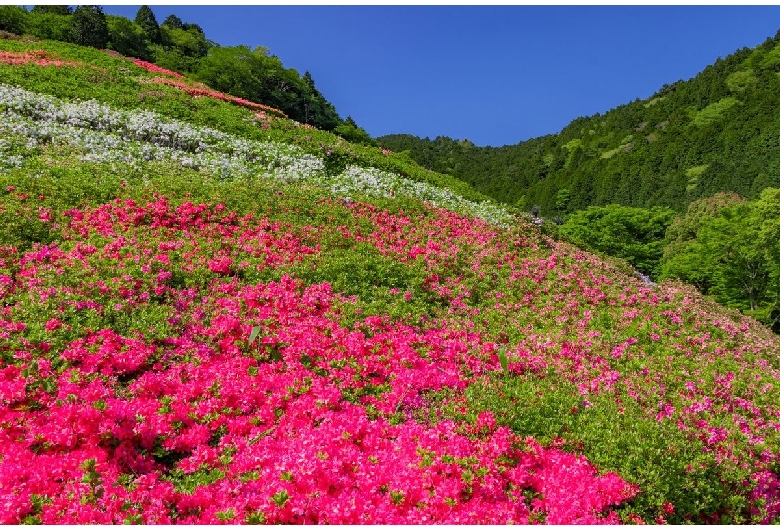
(716, 132)
(210, 313)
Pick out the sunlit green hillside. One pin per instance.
(211, 313)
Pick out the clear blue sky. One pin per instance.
(495, 75)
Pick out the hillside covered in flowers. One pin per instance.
(211, 313)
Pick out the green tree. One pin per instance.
(127, 38)
(191, 26)
(768, 211)
(12, 19)
(563, 200)
(735, 254)
(174, 59)
(46, 25)
(258, 76)
(173, 22)
(634, 234)
(682, 256)
(739, 271)
(236, 70)
(191, 43)
(350, 131)
(89, 27)
(148, 23)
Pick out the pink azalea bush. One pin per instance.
(38, 57)
(184, 421)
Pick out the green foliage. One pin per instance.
(257, 76)
(681, 257)
(656, 455)
(89, 27)
(350, 131)
(48, 24)
(714, 111)
(359, 270)
(187, 42)
(730, 249)
(741, 80)
(562, 200)
(173, 22)
(187, 482)
(771, 59)
(12, 19)
(634, 234)
(174, 59)
(53, 9)
(127, 38)
(148, 24)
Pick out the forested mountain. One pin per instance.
(719, 131)
(252, 74)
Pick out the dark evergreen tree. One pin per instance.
(190, 26)
(307, 78)
(89, 27)
(173, 22)
(145, 18)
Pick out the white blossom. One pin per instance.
(133, 137)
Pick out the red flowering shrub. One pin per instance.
(39, 57)
(153, 68)
(204, 91)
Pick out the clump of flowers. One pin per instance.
(39, 57)
(153, 68)
(194, 423)
(204, 91)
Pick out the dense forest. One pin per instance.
(719, 131)
(254, 74)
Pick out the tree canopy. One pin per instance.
(89, 27)
(148, 23)
(634, 234)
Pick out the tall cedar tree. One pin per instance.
(145, 18)
(173, 22)
(89, 27)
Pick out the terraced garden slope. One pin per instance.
(212, 314)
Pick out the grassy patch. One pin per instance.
(741, 80)
(714, 112)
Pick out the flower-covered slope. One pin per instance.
(202, 325)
